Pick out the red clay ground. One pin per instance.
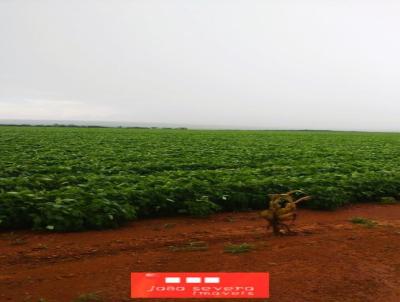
(330, 259)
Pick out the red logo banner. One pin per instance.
(200, 285)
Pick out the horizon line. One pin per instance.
(160, 125)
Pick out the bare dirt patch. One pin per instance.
(329, 259)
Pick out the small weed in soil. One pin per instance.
(89, 297)
(238, 248)
(363, 221)
(191, 246)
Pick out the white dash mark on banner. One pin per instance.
(211, 280)
(172, 280)
(193, 280)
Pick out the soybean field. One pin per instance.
(71, 179)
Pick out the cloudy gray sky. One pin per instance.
(243, 63)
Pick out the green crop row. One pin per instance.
(67, 179)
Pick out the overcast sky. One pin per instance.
(259, 64)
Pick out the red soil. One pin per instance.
(330, 259)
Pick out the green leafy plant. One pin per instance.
(238, 248)
(201, 207)
(191, 246)
(363, 221)
(388, 200)
(89, 297)
(74, 215)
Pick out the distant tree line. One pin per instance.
(91, 126)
